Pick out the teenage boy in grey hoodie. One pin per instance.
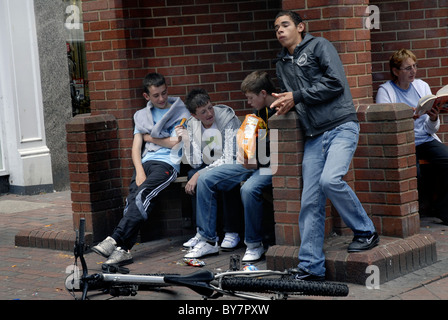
(257, 177)
(313, 81)
(208, 142)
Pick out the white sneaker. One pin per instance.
(202, 249)
(106, 247)
(253, 254)
(191, 243)
(230, 241)
(120, 257)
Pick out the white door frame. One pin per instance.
(23, 129)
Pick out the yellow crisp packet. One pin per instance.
(248, 133)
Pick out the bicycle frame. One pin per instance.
(117, 282)
(203, 282)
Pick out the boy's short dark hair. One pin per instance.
(196, 98)
(257, 81)
(153, 79)
(295, 17)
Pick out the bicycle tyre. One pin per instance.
(309, 288)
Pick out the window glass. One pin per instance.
(76, 56)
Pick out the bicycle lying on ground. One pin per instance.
(258, 284)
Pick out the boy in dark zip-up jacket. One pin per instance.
(313, 81)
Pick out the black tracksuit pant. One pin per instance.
(437, 154)
(140, 201)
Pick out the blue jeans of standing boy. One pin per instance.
(224, 178)
(326, 160)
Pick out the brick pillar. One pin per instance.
(385, 168)
(287, 179)
(94, 165)
(287, 182)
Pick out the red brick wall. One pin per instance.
(194, 43)
(215, 43)
(421, 26)
(342, 24)
(212, 44)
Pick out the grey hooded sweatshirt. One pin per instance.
(227, 123)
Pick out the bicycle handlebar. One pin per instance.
(79, 253)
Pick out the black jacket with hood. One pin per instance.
(317, 79)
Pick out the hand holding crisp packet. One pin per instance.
(248, 133)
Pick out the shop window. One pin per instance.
(76, 56)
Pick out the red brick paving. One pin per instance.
(38, 274)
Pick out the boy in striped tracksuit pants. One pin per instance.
(156, 161)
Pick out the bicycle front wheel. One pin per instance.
(310, 288)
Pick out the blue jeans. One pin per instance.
(231, 206)
(326, 160)
(223, 179)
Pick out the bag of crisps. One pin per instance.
(248, 133)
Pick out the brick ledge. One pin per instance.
(60, 236)
(394, 257)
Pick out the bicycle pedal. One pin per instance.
(235, 262)
(111, 268)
